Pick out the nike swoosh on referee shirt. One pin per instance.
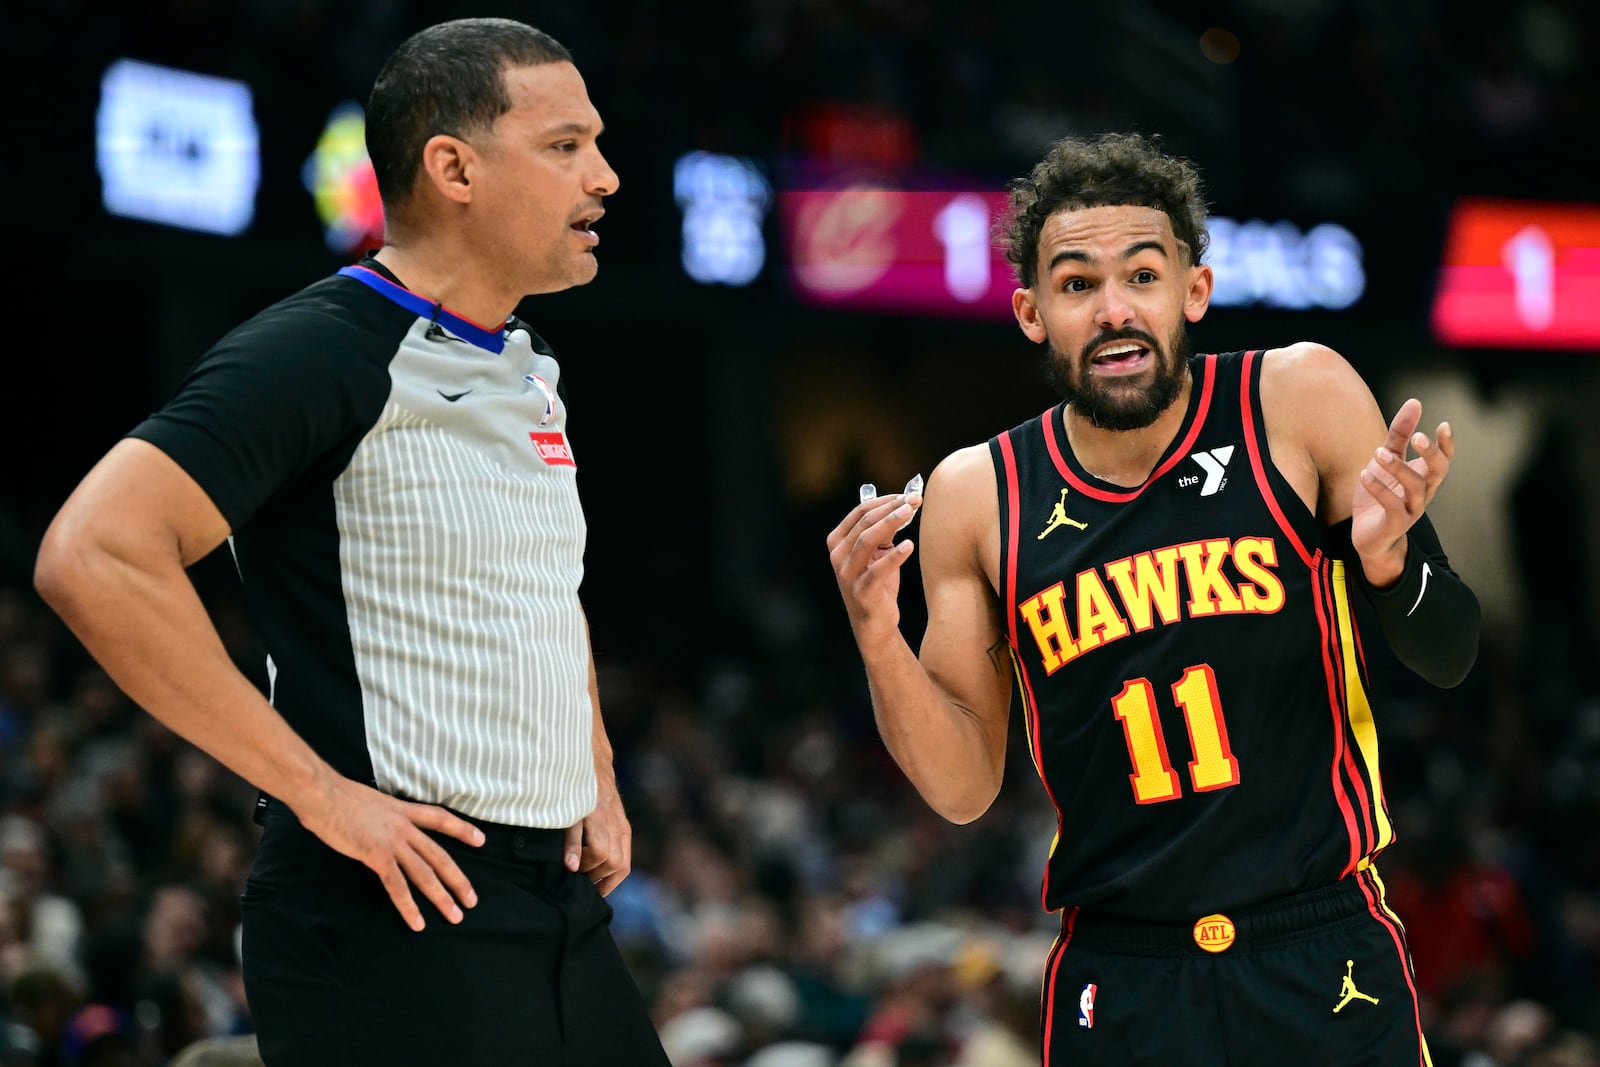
(435, 332)
(1426, 570)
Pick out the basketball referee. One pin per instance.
(386, 454)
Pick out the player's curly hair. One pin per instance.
(448, 78)
(1105, 171)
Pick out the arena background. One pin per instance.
(1412, 183)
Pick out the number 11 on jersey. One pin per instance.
(1213, 766)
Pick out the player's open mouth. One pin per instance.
(1120, 357)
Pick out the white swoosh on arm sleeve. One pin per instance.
(1426, 570)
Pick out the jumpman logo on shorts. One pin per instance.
(1058, 517)
(1348, 990)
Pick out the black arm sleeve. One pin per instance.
(1429, 616)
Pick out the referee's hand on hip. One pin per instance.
(387, 835)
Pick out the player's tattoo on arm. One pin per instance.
(999, 654)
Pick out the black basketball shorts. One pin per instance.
(1322, 977)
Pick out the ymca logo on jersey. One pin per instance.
(1086, 1006)
(1213, 464)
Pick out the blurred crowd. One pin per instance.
(793, 903)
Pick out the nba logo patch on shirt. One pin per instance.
(553, 449)
(549, 396)
(1086, 1006)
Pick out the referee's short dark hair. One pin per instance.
(448, 78)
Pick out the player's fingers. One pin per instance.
(851, 559)
(863, 514)
(1403, 425)
(610, 882)
(1383, 491)
(426, 882)
(880, 532)
(432, 817)
(889, 560)
(889, 510)
(1409, 483)
(1446, 437)
(399, 890)
(1431, 461)
(840, 551)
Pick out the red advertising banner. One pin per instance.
(1520, 274)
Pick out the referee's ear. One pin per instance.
(446, 168)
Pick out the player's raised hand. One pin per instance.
(867, 560)
(1393, 491)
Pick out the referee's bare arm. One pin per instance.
(942, 711)
(113, 565)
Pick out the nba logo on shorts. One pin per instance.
(1086, 1006)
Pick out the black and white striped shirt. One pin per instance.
(405, 519)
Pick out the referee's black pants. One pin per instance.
(530, 977)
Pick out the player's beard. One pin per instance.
(1116, 403)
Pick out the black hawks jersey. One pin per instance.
(1190, 673)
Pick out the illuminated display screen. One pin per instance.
(177, 148)
(724, 200)
(896, 250)
(931, 253)
(1520, 275)
(341, 181)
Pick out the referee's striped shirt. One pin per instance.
(404, 513)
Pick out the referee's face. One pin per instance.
(541, 180)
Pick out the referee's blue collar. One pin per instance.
(465, 329)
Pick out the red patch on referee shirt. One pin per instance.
(553, 449)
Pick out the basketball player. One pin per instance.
(1164, 565)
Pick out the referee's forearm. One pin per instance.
(138, 615)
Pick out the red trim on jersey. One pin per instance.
(1013, 490)
(1068, 918)
(1361, 653)
(1381, 913)
(1052, 427)
(1356, 780)
(1381, 800)
(1339, 747)
(1256, 464)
